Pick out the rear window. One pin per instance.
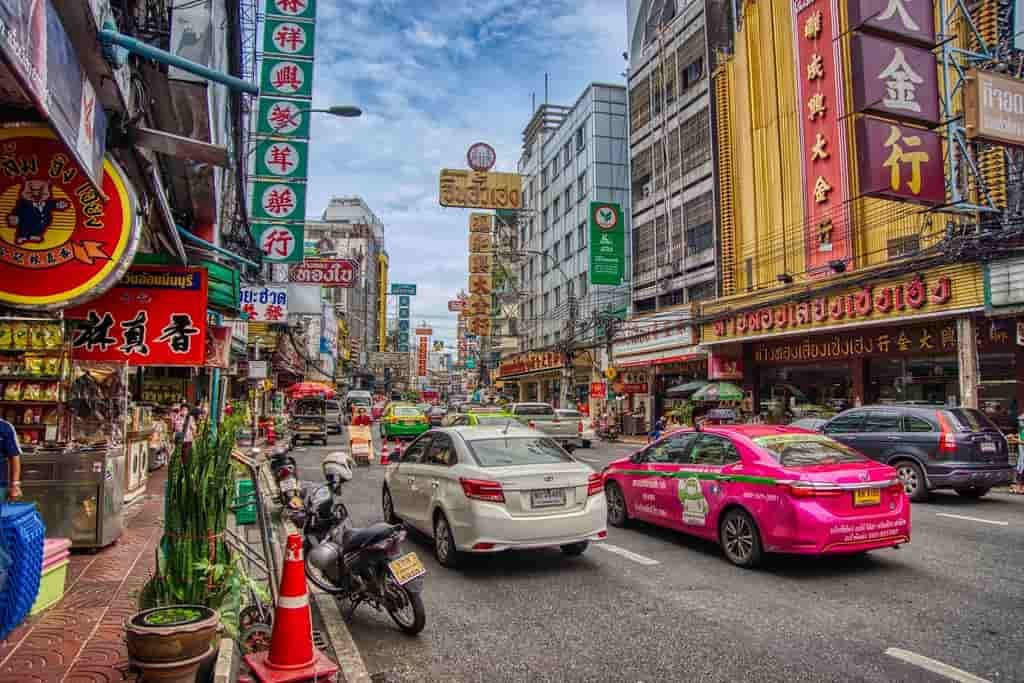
(359, 401)
(805, 450)
(407, 412)
(517, 451)
(571, 414)
(494, 419)
(972, 420)
(534, 409)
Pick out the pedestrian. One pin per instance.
(10, 463)
(362, 419)
(1018, 487)
(656, 430)
(188, 429)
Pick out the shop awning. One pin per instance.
(659, 358)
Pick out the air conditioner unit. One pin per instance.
(648, 188)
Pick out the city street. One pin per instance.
(654, 605)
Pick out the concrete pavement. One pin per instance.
(655, 605)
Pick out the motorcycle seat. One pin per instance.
(357, 538)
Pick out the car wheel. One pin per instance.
(388, 506)
(913, 480)
(971, 492)
(740, 539)
(586, 443)
(444, 543)
(574, 549)
(618, 515)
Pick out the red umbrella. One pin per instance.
(307, 389)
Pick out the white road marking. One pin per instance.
(628, 554)
(972, 519)
(935, 666)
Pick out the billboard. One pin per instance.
(994, 107)
(342, 272)
(480, 189)
(607, 244)
(403, 289)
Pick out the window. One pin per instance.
(522, 234)
(694, 135)
(566, 154)
(916, 424)
(568, 246)
(700, 233)
(441, 452)
(848, 423)
(581, 186)
(903, 246)
(522, 274)
(671, 449)
(882, 421)
(544, 221)
(414, 453)
(554, 251)
(544, 176)
(714, 450)
(554, 210)
(558, 296)
(546, 338)
(568, 198)
(581, 235)
(810, 450)
(547, 307)
(554, 168)
(583, 284)
(693, 72)
(557, 336)
(545, 260)
(701, 292)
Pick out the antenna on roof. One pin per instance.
(545, 87)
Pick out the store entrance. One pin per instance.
(931, 380)
(805, 390)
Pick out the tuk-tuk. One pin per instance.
(309, 420)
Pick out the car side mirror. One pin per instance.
(638, 457)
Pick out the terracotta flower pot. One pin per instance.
(171, 634)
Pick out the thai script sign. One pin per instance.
(265, 304)
(325, 272)
(994, 107)
(60, 242)
(480, 189)
(530, 362)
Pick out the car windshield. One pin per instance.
(972, 420)
(534, 409)
(517, 451)
(492, 420)
(359, 401)
(805, 450)
(407, 412)
(568, 413)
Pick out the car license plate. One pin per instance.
(546, 498)
(406, 568)
(867, 497)
(988, 447)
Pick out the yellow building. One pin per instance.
(830, 297)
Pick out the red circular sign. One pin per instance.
(60, 242)
(481, 157)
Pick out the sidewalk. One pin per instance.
(81, 638)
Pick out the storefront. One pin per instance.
(921, 337)
(538, 376)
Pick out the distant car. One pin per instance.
(403, 421)
(482, 419)
(435, 415)
(546, 419)
(812, 424)
(931, 447)
(488, 489)
(576, 419)
(760, 488)
(335, 416)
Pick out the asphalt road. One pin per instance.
(654, 605)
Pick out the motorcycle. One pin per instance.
(360, 565)
(286, 474)
(608, 432)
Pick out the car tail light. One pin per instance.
(895, 488)
(533, 425)
(481, 489)
(947, 439)
(602, 534)
(799, 490)
(579, 427)
(595, 484)
(483, 546)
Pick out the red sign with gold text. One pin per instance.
(60, 243)
(822, 136)
(156, 315)
(421, 360)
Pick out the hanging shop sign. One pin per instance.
(282, 159)
(994, 107)
(156, 315)
(421, 358)
(279, 242)
(287, 78)
(900, 162)
(404, 290)
(218, 347)
(480, 190)
(328, 330)
(823, 141)
(894, 79)
(292, 9)
(481, 242)
(912, 21)
(533, 361)
(480, 263)
(41, 57)
(283, 118)
(481, 157)
(265, 304)
(285, 37)
(598, 390)
(480, 284)
(607, 244)
(424, 331)
(456, 305)
(724, 367)
(277, 201)
(481, 222)
(951, 288)
(480, 326)
(478, 305)
(60, 243)
(343, 272)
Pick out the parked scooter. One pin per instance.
(608, 432)
(360, 565)
(286, 473)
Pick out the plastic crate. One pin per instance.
(51, 586)
(23, 533)
(244, 494)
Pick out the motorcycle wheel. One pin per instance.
(410, 616)
(320, 580)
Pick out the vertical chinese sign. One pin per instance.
(281, 153)
(421, 360)
(822, 135)
(894, 87)
(477, 308)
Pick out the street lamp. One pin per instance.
(347, 111)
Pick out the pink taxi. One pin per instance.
(761, 488)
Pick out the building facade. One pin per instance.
(572, 156)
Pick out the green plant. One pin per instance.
(194, 564)
(682, 413)
(237, 583)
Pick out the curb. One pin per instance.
(353, 668)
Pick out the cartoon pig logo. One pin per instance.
(33, 212)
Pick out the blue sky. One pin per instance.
(432, 78)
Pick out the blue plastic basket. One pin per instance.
(22, 532)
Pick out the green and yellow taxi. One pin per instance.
(478, 418)
(403, 421)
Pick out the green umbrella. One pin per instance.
(719, 391)
(688, 388)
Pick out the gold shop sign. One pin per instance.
(949, 288)
(480, 189)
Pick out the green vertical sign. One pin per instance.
(607, 244)
(288, 38)
(283, 118)
(292, 9)
(279, 242)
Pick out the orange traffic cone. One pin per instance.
(292, 656)
(384, 453)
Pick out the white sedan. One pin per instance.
(488, 489)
